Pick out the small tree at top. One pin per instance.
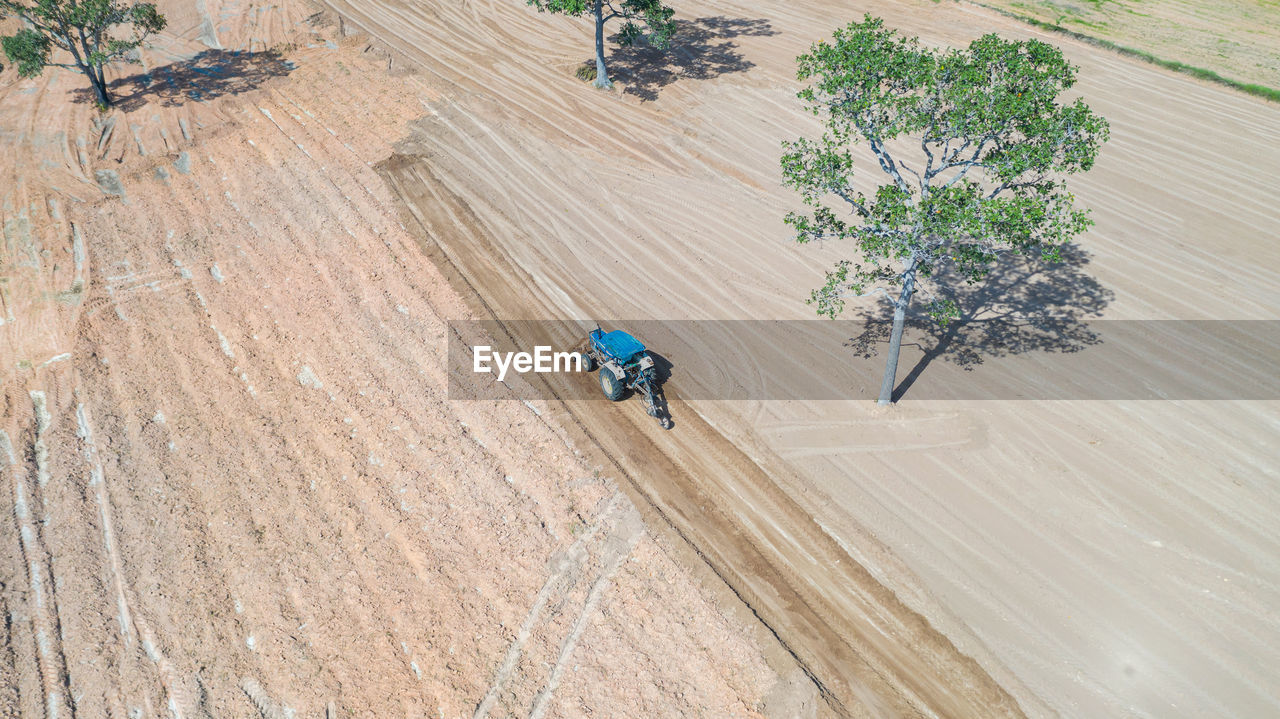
(973, 145)
(655, 17)
(80, 27)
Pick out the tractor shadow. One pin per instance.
(662, 372)
(208, 75)
(1025, 305)
(700, 49)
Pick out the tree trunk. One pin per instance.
(895, 336)
(602, 75)
(99, 82)
(96, 79)
(96, 75)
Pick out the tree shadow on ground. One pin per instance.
(700, 49)
(210, 74)
(1025, 305)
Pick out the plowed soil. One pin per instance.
(234, 486)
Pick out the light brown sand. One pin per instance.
(1089, 558)
(1097, 558)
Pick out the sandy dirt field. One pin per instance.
(1096, 558)
(238, 486)
(233, 486)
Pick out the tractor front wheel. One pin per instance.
(588, 362)
(611, 385)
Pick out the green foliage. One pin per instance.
(646, 21)
(652, 14)
(658, 25)
(973, 145)
(82, 28)
(29, 49)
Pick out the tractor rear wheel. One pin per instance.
(611, 385)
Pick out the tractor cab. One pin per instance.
(619, 346)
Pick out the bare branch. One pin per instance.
(882, 291)
(887, 164)
(1012, 185)
(919, 179)
(843, 193)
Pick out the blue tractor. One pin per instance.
(624, 364)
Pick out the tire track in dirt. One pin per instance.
(618, 544)
(132, 626)
(566, 570)
(50, 663)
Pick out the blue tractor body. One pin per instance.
(617, 344)
(624, 364)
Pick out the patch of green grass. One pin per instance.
(586, 71)
(1268, 93)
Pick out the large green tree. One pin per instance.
(972, 147)
(83, 28)
(655, 18)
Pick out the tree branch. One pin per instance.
(55, 34)
(919, 179)
(1012, 185)
(887, 164)
(883, 292)
(843, 193)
